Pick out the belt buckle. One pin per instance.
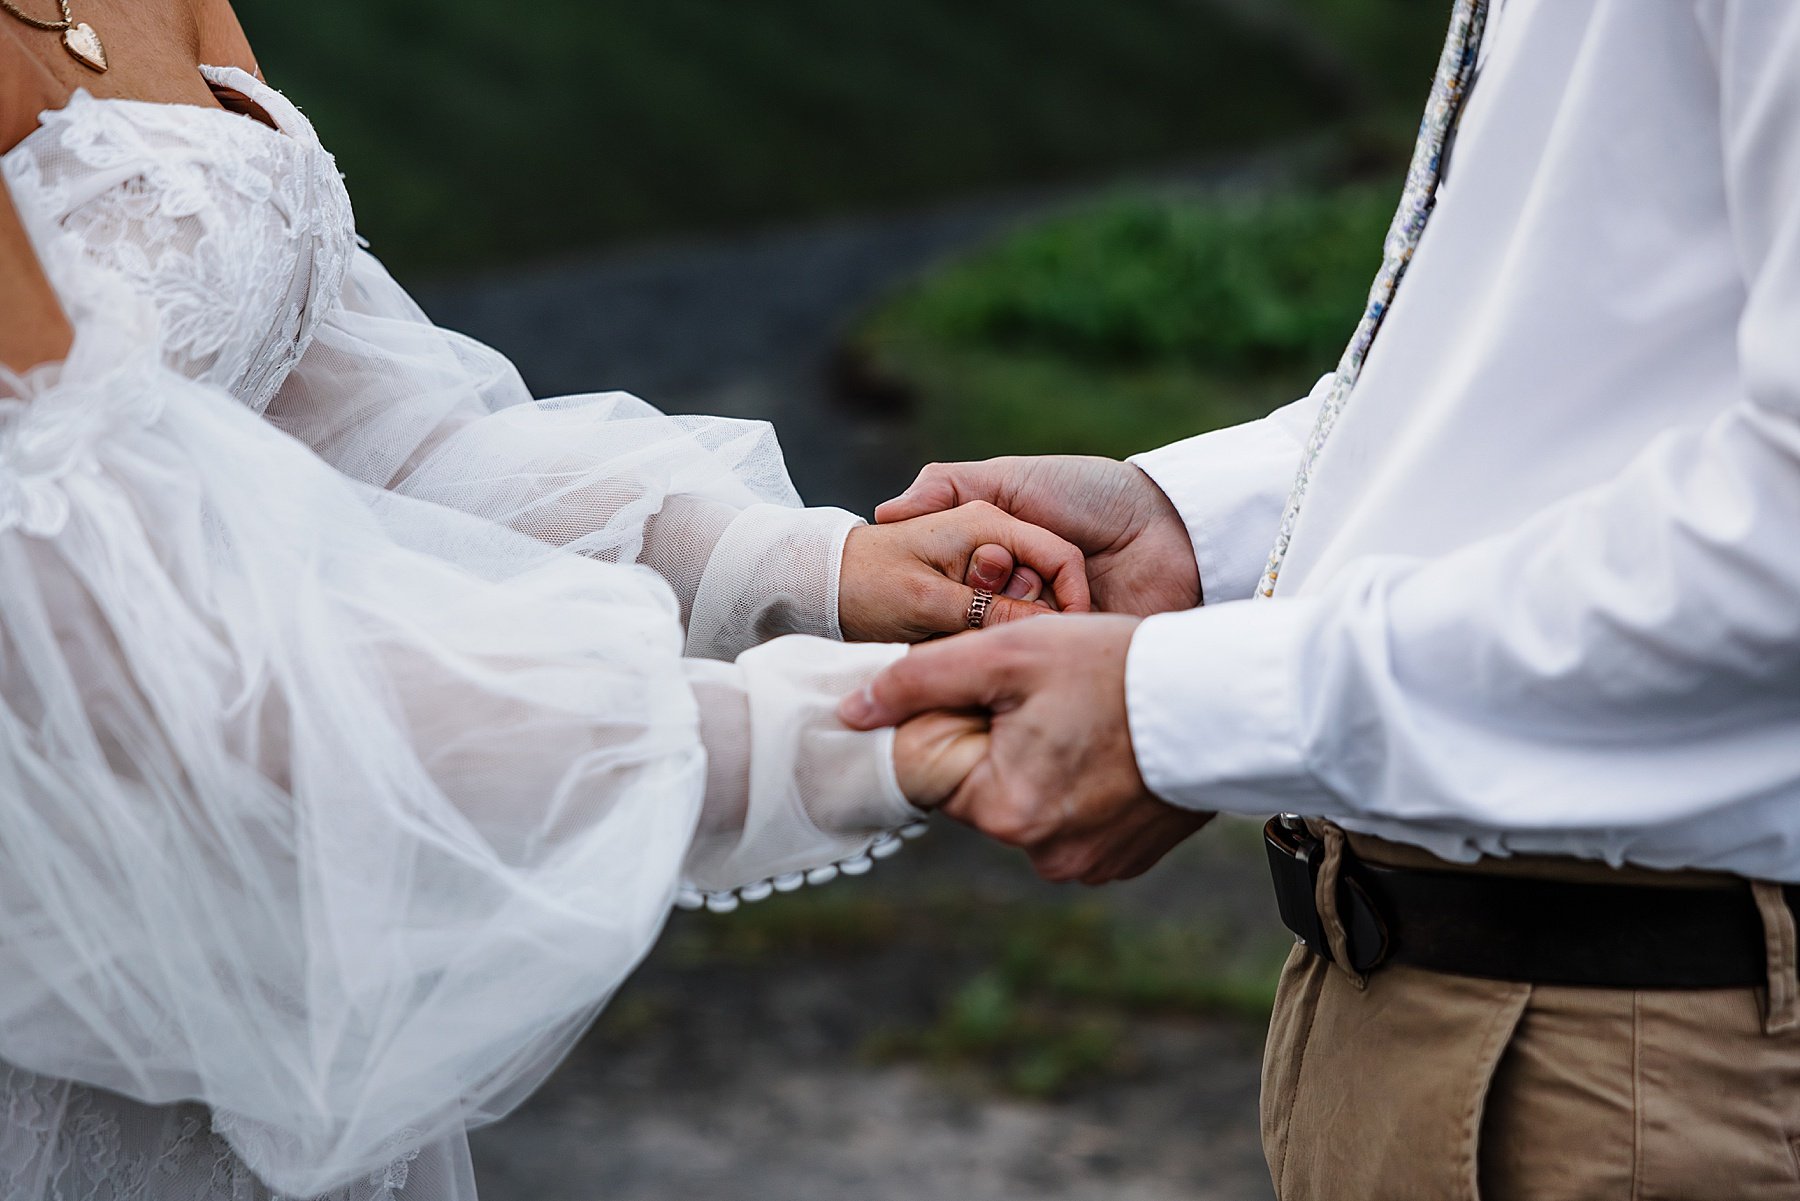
(1294, 862)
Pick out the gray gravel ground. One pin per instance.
(742, 328)
(748, 1083)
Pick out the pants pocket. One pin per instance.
(1658, 1096)
(1378, 1094)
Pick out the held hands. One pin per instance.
(935, 752)
(904, 581)
(1021, 732)
(1100, 531)
(1139, 556)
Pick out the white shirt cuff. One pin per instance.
(1211, 700)
(1230, 487)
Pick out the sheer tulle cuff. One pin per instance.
(773, 573)
(793, 797)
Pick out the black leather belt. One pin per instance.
(1537, 931)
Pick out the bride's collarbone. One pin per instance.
(154, 49)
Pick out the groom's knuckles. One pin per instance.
(1092, 860)
(1061, 854)
(1016, 813)
(1008, 823)
(941, 486)
(1060, 863)
(991, 806)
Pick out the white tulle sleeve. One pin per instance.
(339, 810)
(392, 400)
(792, 797)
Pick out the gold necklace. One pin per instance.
(78, 37)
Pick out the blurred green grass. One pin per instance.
(1130, 323)
(1056, 1008)
(1035, 997)
(473, 132)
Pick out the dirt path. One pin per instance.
(742, 328)
(720, 1078)
(726, 1078)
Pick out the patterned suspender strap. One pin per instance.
(1455, 72)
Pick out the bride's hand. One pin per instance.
(934, 752)
(904, 582)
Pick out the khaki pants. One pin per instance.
(1417, 1085)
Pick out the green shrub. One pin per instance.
(1134, 322)
(1236, 285)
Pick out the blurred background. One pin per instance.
(902, 231)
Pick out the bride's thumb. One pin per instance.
(990, 568)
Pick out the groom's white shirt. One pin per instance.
(1544, 595)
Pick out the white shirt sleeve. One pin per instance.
(1628, 659)
(1230, 487)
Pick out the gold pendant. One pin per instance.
(83, 45)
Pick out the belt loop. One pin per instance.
(1325, 897)
(1782, 1010)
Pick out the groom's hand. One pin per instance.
(1058, 777)
(1139, 556)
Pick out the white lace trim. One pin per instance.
(239, 234)
(62, 1140)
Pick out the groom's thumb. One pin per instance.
(941, 487)
(941, 675)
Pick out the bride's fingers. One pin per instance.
(944, 606)
(935, 752)
(1055, 560)
(1004, 610)
(940, 605)
(992, 568)
(1025, 585)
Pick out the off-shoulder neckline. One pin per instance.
(288, 125)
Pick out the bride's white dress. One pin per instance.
(360, 717)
